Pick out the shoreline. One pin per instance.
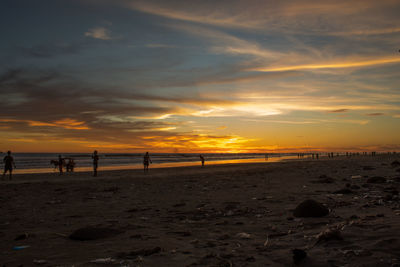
(155, 165)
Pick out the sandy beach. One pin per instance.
(219, 215)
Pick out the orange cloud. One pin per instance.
(334, 65)
(63, 123)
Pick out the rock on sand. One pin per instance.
(310, 208)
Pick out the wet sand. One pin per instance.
(219, 215)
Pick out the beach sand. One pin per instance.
(219, 215)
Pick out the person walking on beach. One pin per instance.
(146, 162)
(60, 164)
(95, 158)
(8, 164)
(202, 160)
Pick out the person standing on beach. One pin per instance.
(146, 162)
(202, 160)
(95, 158)
(60, 164)
(8, 164)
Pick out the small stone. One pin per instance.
(298, 255)
(243, 235)
(21, 237)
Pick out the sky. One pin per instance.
(199, 76)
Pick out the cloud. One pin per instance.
(375, 114)
(101, 33)
(332, 65)
(50, 50)
(160, 46)
(338, 110)
(65, 123)
(296, 17)
(301, 58)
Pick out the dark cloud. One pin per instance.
(59, 107)
(50, 50)
(339, 110)
(375, 114)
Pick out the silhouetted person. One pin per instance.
(95, 158)
(60, 164)
(8, 164)
(146, 162)
(70, 165)
(202, 160)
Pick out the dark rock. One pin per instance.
(298, 255)
(376, 180)
(140, 252)
(310, 208)
(21, 237)
(343, 191)
(92, 233)
(398, 170)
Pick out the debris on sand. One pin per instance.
(92, 233)
(323, 179)
(310, 208)
(103, 260)
(39, 262)
(328, 235)
(140, 252)
(243, 235)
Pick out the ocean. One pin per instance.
(40, 162)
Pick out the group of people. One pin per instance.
(71, 164)
(9, 163)
(60, 163)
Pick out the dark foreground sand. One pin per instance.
(222, 215)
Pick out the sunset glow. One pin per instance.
(220, 76)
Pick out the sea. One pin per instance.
(40, 162)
